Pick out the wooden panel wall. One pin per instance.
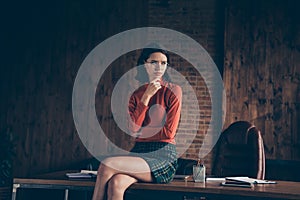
(262, 71)
(45, 45)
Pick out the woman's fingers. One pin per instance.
(151, 90)
(154, 87)
(156, 83)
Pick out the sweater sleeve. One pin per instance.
(168, 131)
(137, 113)
(173, 114)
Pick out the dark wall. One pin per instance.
(44, 44)
(47, 42)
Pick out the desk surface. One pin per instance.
(283, 189)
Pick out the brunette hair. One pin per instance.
(142, 75)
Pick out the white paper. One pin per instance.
(249, 180)
(79, 175)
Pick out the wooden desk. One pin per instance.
(177, 188)
(281, 190)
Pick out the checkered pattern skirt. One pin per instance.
(161, 158)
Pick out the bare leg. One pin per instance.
(135, 167)
(117, 186)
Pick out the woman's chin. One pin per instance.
(155, 78)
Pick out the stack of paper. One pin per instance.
(82, 174)
(243, 181)
(89, 172)
(179, 176)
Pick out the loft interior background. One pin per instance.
(255, 45)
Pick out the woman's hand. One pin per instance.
(151, 90)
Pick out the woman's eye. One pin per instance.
(156, 63)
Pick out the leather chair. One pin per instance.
(240, 152)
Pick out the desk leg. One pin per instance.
(66, 194)
(14, 192)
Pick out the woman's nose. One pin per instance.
(158, 67)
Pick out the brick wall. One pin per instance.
(202, 21)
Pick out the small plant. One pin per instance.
(6, 157)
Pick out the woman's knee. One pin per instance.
(116, 183)
(119, 183)
(105, 169)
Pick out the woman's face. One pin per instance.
(156, 65)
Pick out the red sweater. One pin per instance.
(156, 123)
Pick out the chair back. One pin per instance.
(240, 152)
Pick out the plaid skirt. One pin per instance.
(161, 158)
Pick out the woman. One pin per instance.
(154, 109)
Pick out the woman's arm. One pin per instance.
(137, 113)
(138, 107)
(167, 130)
(173, 114)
